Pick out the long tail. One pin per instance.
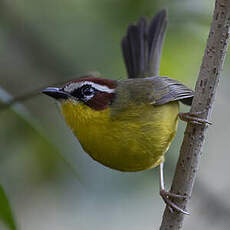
(142, 46)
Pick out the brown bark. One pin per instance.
(205, 90)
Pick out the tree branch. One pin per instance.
(206, 85)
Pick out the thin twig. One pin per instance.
(206, 85)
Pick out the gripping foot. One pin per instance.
(194, 118)
(166, 196)
(172, 206)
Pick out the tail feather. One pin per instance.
(142, 46)
(156, 35)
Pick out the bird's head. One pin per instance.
(96, 93)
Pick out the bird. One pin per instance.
(128, 125)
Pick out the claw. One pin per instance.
(193, 118)
(172, 206)
(164, 192)
(166, 195)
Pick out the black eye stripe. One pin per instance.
(83, 92)
(87, 90)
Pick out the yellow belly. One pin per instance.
(135, 139)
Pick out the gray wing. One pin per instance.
(153, 90)
(142, 46)
(166, 90)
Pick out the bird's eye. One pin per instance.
(87, 91)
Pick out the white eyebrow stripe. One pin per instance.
(75, 85)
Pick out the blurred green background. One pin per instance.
(50, 182)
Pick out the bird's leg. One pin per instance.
(194, 118)
(166, 194)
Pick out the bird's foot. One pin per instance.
(166, 195)
(194, 118)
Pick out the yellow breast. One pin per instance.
(132, 140)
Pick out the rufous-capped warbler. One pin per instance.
(128, 125)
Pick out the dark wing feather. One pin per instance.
(156, 33)
(167, 89)
(142, 46)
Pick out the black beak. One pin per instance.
(56, 93)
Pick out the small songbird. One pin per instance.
(128, 125)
